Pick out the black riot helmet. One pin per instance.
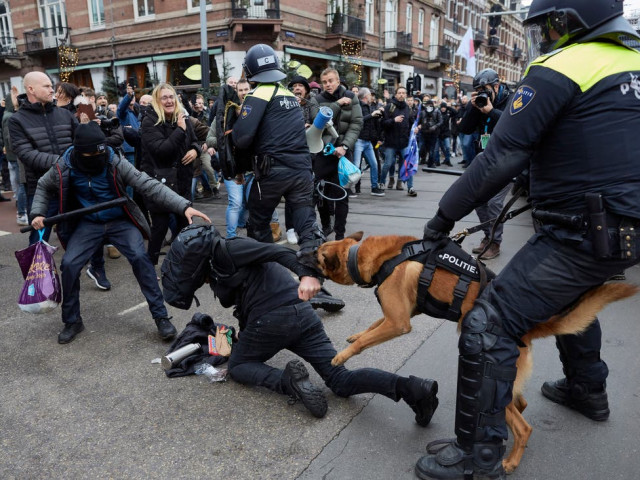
(261, 65)
(485, 77)
(553, 24)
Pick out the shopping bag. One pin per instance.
(41, 292)
(348, 173)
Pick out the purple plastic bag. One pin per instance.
(41, 292)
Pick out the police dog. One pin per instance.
(397, 296)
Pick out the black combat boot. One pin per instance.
(295, 383)
(589, 399)
(447, 460)
(421, 395)
(326, 301)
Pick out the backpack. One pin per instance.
(188, 264)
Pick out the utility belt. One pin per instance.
(595, 223)
(262, 165)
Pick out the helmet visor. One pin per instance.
(551, 31)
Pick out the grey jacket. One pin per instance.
(120, 173)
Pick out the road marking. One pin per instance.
(132, 309)
(3, 233)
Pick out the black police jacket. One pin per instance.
(575, 127)
(271, 123)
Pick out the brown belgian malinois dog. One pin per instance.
(397, 296)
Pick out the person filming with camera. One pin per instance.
(481, 115)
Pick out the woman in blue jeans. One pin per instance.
(237, 213)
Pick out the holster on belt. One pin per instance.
(262, 166)
(598, 225)
(628, 237)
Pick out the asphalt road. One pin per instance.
(99, 407)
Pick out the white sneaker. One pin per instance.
(22, 220)
(292, 238)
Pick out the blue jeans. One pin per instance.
(364, 147)
(83, 243)
(237, 213)
(52, 210)
(17, 187)
(445, 145)
(468, 147)
(390, 159)
(298, 329)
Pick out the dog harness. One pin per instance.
(445, 254)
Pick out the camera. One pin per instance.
(108, 123)
(482, 99)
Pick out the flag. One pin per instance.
(409, 165)
(466, 51)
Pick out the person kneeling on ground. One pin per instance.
(89, 173)
(274, 314)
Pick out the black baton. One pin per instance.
(78, 213)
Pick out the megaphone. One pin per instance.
(315, 131)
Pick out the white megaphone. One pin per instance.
(315, 131)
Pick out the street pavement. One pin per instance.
(99, 408)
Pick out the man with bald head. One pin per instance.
(40, 132)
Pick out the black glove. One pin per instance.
(438, 227)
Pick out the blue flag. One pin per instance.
(411, 158)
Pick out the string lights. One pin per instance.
(68, 58)
(352, 51)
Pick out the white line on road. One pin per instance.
(135, 307)
(3, 233)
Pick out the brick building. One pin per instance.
(150, 41)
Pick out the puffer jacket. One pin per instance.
(164, 145)
(120, 174)
(39, 135)
(346, 119)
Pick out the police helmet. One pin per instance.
(488, 76)
(261, 64)
(570, 19)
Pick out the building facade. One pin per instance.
(377, 42)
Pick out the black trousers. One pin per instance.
(297, 328)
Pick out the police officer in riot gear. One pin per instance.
(271, 126)
(585, 188)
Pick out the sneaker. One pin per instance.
(70, 331)
(480, 248)
(590, 401)
(100, 277)
(113, 252)
(399, 185)
(381, 186)
(412, 193)
(165, 328)
(295, 382)
(353, 195)
(377, 192)
(292, 237)
(22, 220)
(492, 252)
(326, 301)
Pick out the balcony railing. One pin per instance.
(517, 53)
(256, 9)
(479, 37)
(494, 42)
(345, 25)
(440, 54)
(8, 46)
(46, 38)
(397, 41)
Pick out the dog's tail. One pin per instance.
(583, 312)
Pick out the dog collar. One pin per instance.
(352, 267)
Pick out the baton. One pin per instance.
(78, 213)
(457, 173)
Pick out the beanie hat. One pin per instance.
(315, 85)
(443, 104)
(89, 138)
(300, 79)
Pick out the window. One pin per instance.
(144, 9)
(369, 16)
(434, 31)
(421, 27)
(7, 41)
(194, 5)
(407, 27)
(96, 13)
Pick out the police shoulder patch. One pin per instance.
(246, 110)
(521, 99)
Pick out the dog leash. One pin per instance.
(504, 216)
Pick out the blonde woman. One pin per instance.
(169, 147)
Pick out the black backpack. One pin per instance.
(188, 264)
